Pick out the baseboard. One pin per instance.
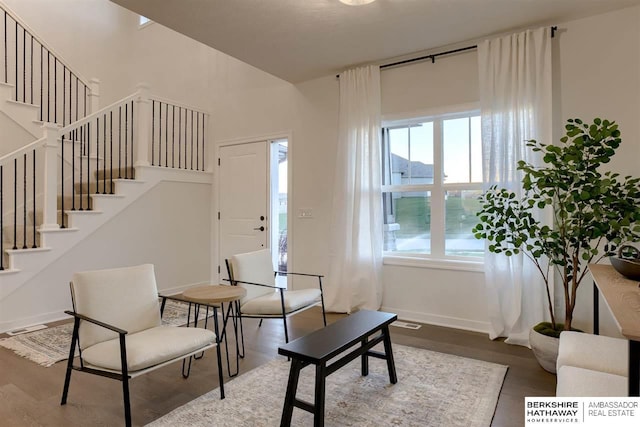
(437, 320)
(40, 319)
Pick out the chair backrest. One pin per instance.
(123, 297)
(255, 267)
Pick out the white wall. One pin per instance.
(168, 227)
(597, 74)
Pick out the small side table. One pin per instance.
(217, 295)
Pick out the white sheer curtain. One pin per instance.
(515, 101)
(354, 280)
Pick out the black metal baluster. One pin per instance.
(166, 135)
(41, 80)
(197, 141)
(185, 137)
(24, 202)
(2, 213)
(16, 61)
(31, 68)
(76, 98)
(15, 203)
(6, 58)
(119, 142)
(153, 131)
(24, 65)
(159, 133)
(126, 140)
(48, 85)
(191, 139)
(203, 119)
(111, 151)
(173, 135)
(55, 90)
(104, 153)
(97, 154)
(62, 183)
(64, 97)
(179, 137)
(132, 126)
(89, 165)
(74, 138)
(34, 198)
(82, 150)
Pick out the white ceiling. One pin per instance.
(298, 40)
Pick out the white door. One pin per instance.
(243, 194)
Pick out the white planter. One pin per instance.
(545, 349)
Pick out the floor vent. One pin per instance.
(27, 329)
(406, 325)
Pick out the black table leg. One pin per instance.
(321, 377)
(365, 359)
(292, 387)
(391, 366)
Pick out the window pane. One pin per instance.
(409, 222)
(410, 155)
(460, 218)
(455, 147)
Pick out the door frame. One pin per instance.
(215, 230)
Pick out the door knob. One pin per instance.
(261, 217)
(261, 228)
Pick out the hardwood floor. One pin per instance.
(30, 394)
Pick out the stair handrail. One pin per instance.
(40, 40)
(80, 122)
(157, 98)
(21, 151)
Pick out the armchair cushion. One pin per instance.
(271, 304)
(254, 267)
(579, 382)
(123, 297)
(595, 352)
(148, 348)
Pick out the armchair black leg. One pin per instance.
(72, 351)
(127, 403)
(218, 356)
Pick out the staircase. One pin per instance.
(82, 165)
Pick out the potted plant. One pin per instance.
(594, 212)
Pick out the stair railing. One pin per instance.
(40, 76)
(96, 150)
(20, 188)
(177, 135)
(43, 180)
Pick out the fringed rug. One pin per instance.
(51, 345)
(433, 389)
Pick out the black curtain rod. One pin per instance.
(433, 57)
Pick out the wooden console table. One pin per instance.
(622, 297)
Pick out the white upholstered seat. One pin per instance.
(580, 382)
(264, 299)
(595, 352)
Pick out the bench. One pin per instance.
(321, 346)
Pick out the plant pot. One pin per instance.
(545, 349)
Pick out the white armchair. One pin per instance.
(118, 330)
(254, 272)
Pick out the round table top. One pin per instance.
(214, 294)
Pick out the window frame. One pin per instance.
(437, 258)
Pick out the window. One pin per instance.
(432, 177)
(143, 21)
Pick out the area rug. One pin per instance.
(433, 389)
(51, 345)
